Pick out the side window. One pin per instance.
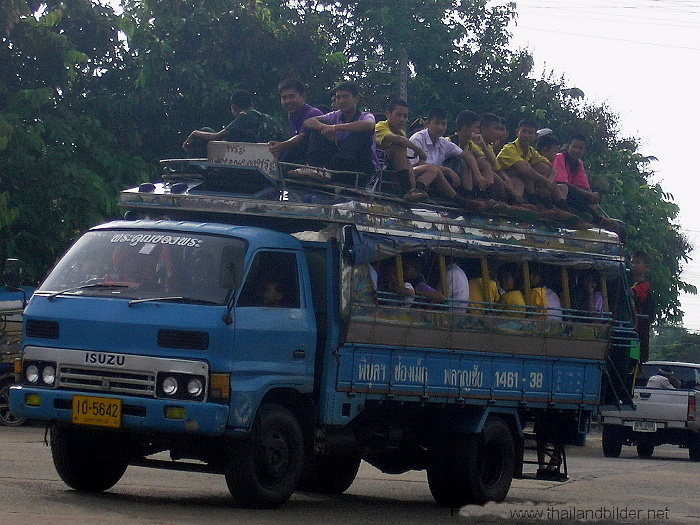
(272, 281)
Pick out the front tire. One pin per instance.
(612, 441)
(264, 470)
(473, 468)
(86, 460)
(6, 417)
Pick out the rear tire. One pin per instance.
(87, 460)
(6, 417)
(331, 474)
(612, 441)
(645, 449)
(263, 470)
(473, 468)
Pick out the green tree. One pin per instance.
(675, 343)
(59, 169)
(80, 106)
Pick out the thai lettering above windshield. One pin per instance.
(134, 239)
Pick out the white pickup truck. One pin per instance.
(662, 415)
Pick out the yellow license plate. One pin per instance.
(98, 411)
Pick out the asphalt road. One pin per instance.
(662, 490)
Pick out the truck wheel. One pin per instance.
(473, 468)
(6, 417)
(86, 460)
(645, 449)
(694, 448)
(330, 474)
(612, 441)
(264, 469)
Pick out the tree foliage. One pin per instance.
(89, 100)
(675, 343)
(59, 167)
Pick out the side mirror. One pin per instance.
(231, 270)
(12, 273)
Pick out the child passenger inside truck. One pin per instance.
(512, 301)
(413, 273)
(388, 284)
(272, 295)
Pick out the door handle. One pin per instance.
(645, 395)
(299, 354)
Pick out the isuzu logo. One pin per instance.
(99, 358)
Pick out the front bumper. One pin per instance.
(139, 414)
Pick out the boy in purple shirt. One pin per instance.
(343, 140)
(293, 98)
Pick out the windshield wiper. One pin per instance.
(179, 299)
(53, 295)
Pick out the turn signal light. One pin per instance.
(220, 386)
(175, 412)
(33, 400)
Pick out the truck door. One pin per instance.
(274, 320)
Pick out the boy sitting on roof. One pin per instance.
(573, 183)
(293, 98)
(343, 140)
(248, 125)
(530, 172)
(432, 173)
(391, 138)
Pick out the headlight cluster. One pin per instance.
(181, 386)
(40, 373)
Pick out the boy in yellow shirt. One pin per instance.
(532, 174)
(391, 138)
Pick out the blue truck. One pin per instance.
(234, 319)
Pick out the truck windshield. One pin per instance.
(178, 266)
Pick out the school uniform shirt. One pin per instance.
(296, 119)
(471, 145)
(538, 299)
(336, 117)
(513, 300)
(565, 175)
(513, 152)
(553, 306)
(437, 152)
(477, 293)
(457, 287)
(382, 130)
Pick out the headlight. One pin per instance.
(195, 387)
(169, 386)
(48, 375)
(32, 374)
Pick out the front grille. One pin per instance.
(42, 329)
(117, 382)
(184, 339)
